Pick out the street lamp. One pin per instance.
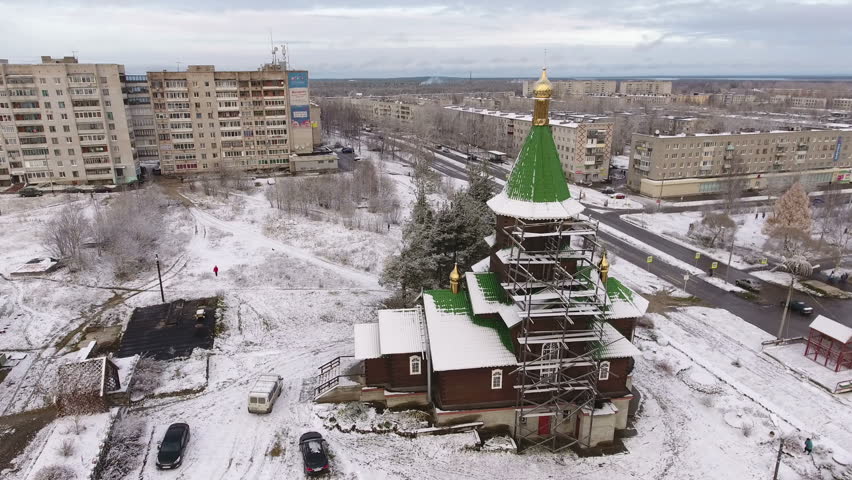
(797, 265)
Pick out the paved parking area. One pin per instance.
(169, 330)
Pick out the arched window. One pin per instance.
(496, 379)
(603, 371)
(414, 366)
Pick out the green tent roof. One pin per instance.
(447, 301)
(537, 175)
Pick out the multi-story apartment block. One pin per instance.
(563, 88)
(808, 102)
(732, 98)
(582, 141)
(644, 87)
(688, 165)
(64, 122)
(208, 120)
(383, 109)
(141, 113)
(842, 103)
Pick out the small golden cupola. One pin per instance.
(455, 277)
(542, 92)
(603, 268)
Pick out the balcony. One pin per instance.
(94, 150)
(228, 109)
(706, 168)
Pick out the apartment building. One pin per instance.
(692, 98)
(732, 98)
(583, 141)
(644, 87)
(374, 109)
(208, 120)
(808, 102)
(842, 103)
(563, 88)
(699, 164)
(141, 112)
(64, 122)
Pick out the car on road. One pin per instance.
(314, 456)
(170, 451)
(608, 190)
(347, 150)
(102, 189)
(618, 196)
(748, 284)
(801, 307)
(817, 201)
(30, 192)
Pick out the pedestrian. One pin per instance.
(389, 227)
(711, 271)
(755, 215)
(764, 215)
(809, 446)
(216, 270)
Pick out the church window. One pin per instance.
(414, 366)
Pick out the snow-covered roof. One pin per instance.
(501, 204)
(37, 265)
(624, 302)
(400, 332)
(615, 345)
(488, 297)
(829, 327)
(367, 341)
(457, 340)
(491, 240)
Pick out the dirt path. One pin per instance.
(17, 431)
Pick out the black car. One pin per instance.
(30, 192)
(102, 189)
(749, 284)
(314, 455)
(801, 307)
(608, 190)
(170, 450)
(347, 150)
(73, 190)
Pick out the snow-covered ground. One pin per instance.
(70, 442)
(290, 304)
(592, 197)
(748, 241)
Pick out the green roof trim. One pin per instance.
(616, 289)
(447, 301)
(491, 288)
(537, 175)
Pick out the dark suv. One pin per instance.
(801, 307)
(30, 192)
(170, 450)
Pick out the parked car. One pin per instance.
(748, 284)
(347, 150)
(170, 450)
(73, 190)
(266, 390)
(356, 158)
(817, 201)
(618, 196)
(30, 192)
(801, 307)
(157, 170)
(102, 189)
(608, 190)
(314, 455)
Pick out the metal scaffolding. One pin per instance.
(558, 372)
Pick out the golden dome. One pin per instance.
(603, 267)
(543, 88)
(455, 276)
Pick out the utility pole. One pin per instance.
(786, 309)
(730, 255)
(160, 276)
(778, 459)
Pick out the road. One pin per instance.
(764, 311)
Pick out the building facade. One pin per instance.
(208, 120)
(644, 87)
(699, 164)
(842, 103)
(64, 122)
(144, 133)
(583, 142)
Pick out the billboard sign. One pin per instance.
(845, 176)
(299, 96)
(837, 148)
(300, 116)
(297, 79)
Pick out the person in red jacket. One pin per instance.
(216, 270)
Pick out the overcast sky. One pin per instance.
(490, 38)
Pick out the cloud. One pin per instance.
(343, 38)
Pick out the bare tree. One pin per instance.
(792, 221)
(714, 228)
(64, 234)
(55, 472)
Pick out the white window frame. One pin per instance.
(415, 365)
(496, 379)
(603, 370)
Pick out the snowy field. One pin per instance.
(293, 287)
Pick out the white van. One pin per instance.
(266, 390)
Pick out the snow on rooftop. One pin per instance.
(456, 342)
(487, 297)
(501, 204)
(625, 303)
(400, 331)
(616, 345)
(367, 341)
(829, 327)
(482, 265)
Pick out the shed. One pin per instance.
(830, 343)
(81, 387)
